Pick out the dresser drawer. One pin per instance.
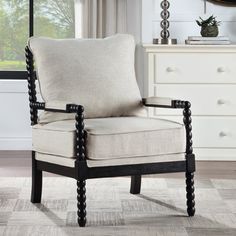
(206, 99)
(211, 132)
(194, 68)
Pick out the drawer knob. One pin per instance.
(221, 102)
(222, 134)
(221, 69)
(171, 69)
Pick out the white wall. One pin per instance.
(183, 14)
(15, 131)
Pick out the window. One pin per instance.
(54, 18)
(13, 34)
(21, 18)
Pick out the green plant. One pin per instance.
(211, 21)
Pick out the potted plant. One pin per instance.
(209, 27)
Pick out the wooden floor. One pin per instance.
(18, 163)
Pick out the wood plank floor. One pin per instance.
(18, 163)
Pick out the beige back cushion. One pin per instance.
(96, 73)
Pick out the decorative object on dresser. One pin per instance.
(108, 134)
(165, 24)
(206, 75)
(209, 27)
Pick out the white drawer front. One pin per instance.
(205, 99)
(212, 132)
(195, 68)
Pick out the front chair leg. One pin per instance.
(36, 189)
(190, 193)
(135, 185)
(81, 202)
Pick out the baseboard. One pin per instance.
(215, 154)
(12, 143)
(216, 158)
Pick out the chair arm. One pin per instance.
(157, 102)
(185, 105)
(57, 107)
(79, 123)
(164, 102)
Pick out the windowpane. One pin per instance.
(14, 21)
(54, 18)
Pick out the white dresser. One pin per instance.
(205, 76)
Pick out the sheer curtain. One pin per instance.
(100, 18)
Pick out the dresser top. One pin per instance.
(231, 48)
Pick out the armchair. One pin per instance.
(100, 129)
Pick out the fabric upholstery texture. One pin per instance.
(161, 101)
(112, 138)
(96, 73)
(63, 161)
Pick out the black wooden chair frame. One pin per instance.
(81, 172)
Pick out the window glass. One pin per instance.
(14, 21)
(54, 18)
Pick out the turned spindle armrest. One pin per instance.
(185, 105)
(57, 107)
(79, 124)
(164, 102)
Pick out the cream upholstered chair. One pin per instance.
(94, 123)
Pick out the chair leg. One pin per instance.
(135, 185)
(190, 193)
(36, 188)
(81, 202)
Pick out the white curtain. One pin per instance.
(100, 18)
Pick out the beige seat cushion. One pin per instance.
(112, 138)
(96, 73)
